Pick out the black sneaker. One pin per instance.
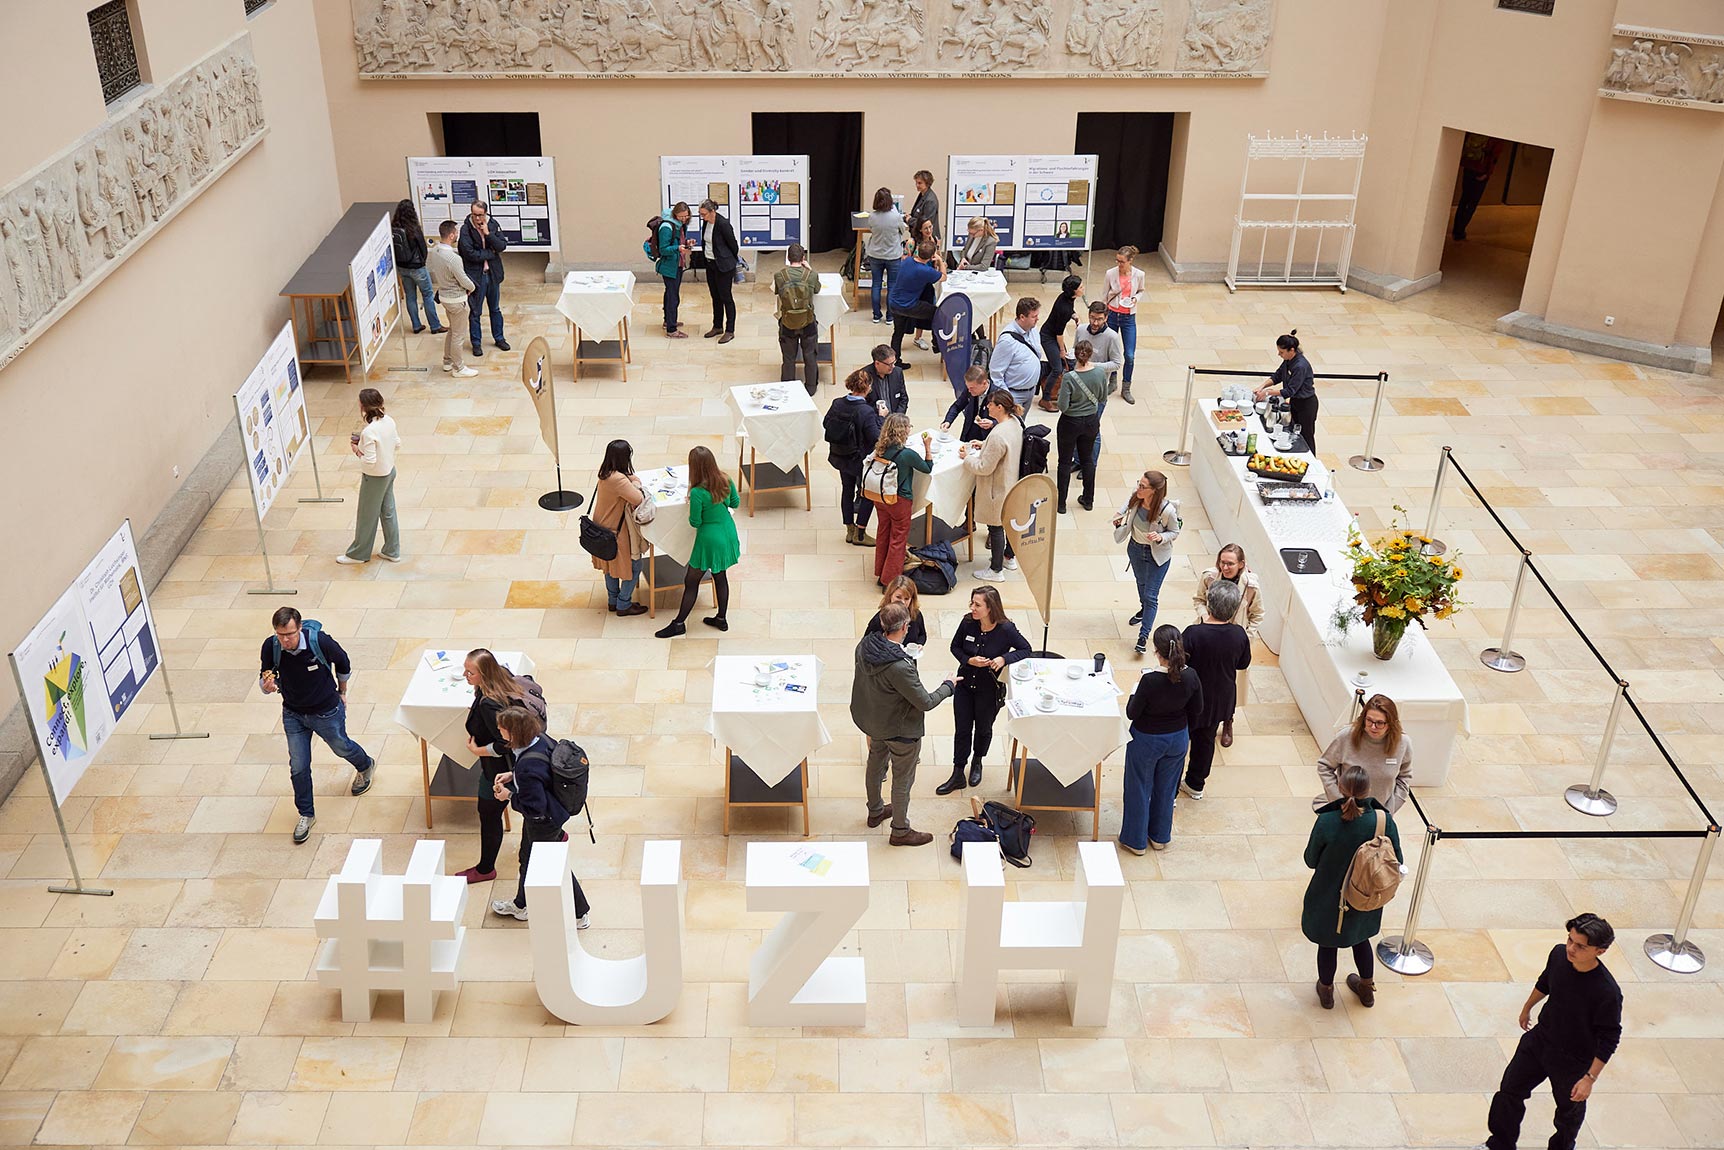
(502, 344)
(1134, 620)
(362, 780)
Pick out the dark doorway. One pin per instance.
(1134, 150)
(1494, 208)
(491, 134)
(832, 141)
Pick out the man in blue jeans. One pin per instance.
(482, 248)
(310, 671)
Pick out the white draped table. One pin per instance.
(597, 303)
(1085, 726)
(434, 710)
(947, 489)
(988, 295)
(830, 303)
(1324, 678)
(778, 420)
(774, 727)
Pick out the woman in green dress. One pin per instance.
(711, 495)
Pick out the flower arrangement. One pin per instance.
(1396, 583)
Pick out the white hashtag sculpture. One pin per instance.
(391, 932)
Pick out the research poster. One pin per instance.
(273, 424)
(1035, 202)
(82, 666)
(521, 192)
(765, 198)
(376, 293)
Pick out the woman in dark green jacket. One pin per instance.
(1338, 834)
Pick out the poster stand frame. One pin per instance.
(317, 476)
(268, 576)
(173, 709)
(406, 359)
(77, 886)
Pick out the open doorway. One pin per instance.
(1134, 151)
(832, 141)
(491, 134)
(1493, 218)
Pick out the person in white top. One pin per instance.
(375, 445)
(1124, 285)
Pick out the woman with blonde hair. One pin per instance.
(892, 534)
(977, 254)
(375, 444)
(902, 591)
(711, 495)
(1147, 525)
(495, 689)
(995, 464)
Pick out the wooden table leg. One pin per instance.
(807, 482)
(727, 791)
(1095, 831)
(425, 778)
(804, 798)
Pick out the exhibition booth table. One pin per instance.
(669, 538)
(988, 294)
(943, 494)
(1068, 716)
(434, 711)
(766, 715)
(597, 303)
(321, 292)
(777, 421)
(1325, 671)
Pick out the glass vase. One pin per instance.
(1386, 636)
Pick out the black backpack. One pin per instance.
(841, 431)
(996, 822)
(1034, 458)
(569, 770)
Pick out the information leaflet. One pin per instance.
(272, 421)
(376, 293)
(84, 664)
(1035, 202)
(765, 198)
(521, 192)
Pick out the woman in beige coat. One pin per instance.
(614, 501)
(1230, 565)
(995, 463)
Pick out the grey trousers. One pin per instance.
(376, 504)
(898, 755)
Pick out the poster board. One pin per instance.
(1036, 203)
(83, 665)
(765, 198)
(521, 190)
(376, 292)
(273, 424)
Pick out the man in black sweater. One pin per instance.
(1576, 1033)
(310, 672)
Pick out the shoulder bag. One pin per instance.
(598, 540)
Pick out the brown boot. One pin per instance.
(1227, 733)
(1365, 988)
(1326, 995)
(885, 813)
(849, 533)
(863, 539)
(909, 838)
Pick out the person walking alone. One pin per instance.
(796, 284)
(1149, 523)
(1081, 395)
(887, 704)
(453, 287)
(375, 445)
(1123, 284)
(1336, 837)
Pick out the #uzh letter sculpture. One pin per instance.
(792, 981)
(1080, 937)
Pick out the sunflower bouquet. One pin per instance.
(1395, 583)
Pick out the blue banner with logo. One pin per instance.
(954, 323)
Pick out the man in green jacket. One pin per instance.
(887, 703)
(668, 250)
(796, 285)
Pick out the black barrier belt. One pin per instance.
(1265, 374)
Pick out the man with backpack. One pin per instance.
(668, 248)
(796, 285)
(310, 671)
(534, 792)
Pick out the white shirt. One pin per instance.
(378, 443)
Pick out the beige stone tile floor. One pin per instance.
(179, 1011)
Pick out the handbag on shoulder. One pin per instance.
(598, 540)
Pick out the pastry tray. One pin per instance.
(1288, 493)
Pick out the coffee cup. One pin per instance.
(763, 679)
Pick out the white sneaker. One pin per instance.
(506, 908)
(989, 574)
(302, 828)
(1187, 788)
(393, 558)
(583, 922)
(448, 367)
(465, 373)
(923, 344)
(345, 561)
(1011, 563)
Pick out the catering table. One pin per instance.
(988, 294)
(1070, 724)
(434, 710)
(598, 302)
(779, 421)
(768, 729)
(669, 537)
(945, 493)
(1321, 668)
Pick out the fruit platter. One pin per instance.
(1279, 467)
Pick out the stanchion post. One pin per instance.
(1369, 460)
(1436, 546)
(1591, 798)
(1503, 656)
(1673, 951)
(1403, 953)
(1181, 457)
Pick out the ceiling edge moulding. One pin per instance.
(801, 39)
(66, 225)
(1658, 66)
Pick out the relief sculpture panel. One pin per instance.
(489, 39)
(1653, 66)
(67, 224)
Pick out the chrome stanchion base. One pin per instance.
(1434, 547)
(1590, 802)
(1678, 957)
(1366, 463)
(1177, 458)
(1417, 959)
(1498, 659)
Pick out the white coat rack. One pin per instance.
(1283, 216)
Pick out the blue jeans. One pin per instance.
(487, 289)
(621, 592)
(672, 297)
(882, 273)
(1152, 767)
(1149, 575)
(1126, 325)
(331, 727)
(416, 282)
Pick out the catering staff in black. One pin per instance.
(985, 642)
(718, 243)
(1293, 382)
(973, 406)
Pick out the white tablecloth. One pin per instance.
(949, 487)
(669, 532)
(1086, 725)
(437, 700)
(830, 303)
(1297, 609)
(987, 291)
(772, 728)
(596, 302)
(779, 420)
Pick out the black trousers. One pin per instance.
(1328, 957)
(722, 285)
(490, 816)
(1076, 436)
(544, 831)
(853, 506)
(1055, 367)
(908, 319)
(1201, 757)
(805, 340)
(998, 549)
(974, 710)
(1305, 415)
(1472, 191)
(1533, 1062)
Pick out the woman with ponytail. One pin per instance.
(1294, 382)
(1166, 704)
(1335, 838)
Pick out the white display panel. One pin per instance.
(84, 663)
(521, 192)
(765, 198)
(1036, 203)
(272, 420)
(376, 292)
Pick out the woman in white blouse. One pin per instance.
(375, 445)
(1124, 285)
